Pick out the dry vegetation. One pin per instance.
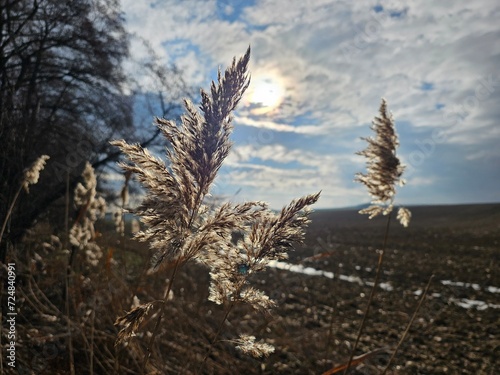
(192, 296)
(315, 318)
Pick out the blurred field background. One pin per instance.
(317, 317)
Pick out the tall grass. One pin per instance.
(180, 225)
(384, 172)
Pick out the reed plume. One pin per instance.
(181, 224)
(384, 172)
(173, 209)
(32, 174)
(90, 207)
(118, 215)
(269, 237)
(384, 169)
(30, 177)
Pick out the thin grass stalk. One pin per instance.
(68, 322)
(372, 293)
(30, 177)
(67, 278)
(116, 367)
(9, 212)
(66, 211)
(330, 327)
(329, 336)
(87, 345)
(358, 359)
(158, 320)
(216, 336)
(92, 328)
(46, 302)
(1, 327)
(405, 333)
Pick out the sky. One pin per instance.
(319, 70)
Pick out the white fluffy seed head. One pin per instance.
(32, 174)
(384, 169)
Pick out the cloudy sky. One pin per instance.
(319, 70)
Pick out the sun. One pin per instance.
(266, 93)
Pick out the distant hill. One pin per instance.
(476, 215)
(463, 215)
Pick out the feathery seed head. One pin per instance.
(131, 321)
(269, 236)
(248, 345)
(384, 169)
(404, 216)
(90, 208)
(173, 208)
(32, 174)
(181, 226)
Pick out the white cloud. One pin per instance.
(421, 181)
(248, 168)
(271, 125)
(278, 186)
(338, 58)
(335, 60)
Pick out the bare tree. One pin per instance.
(62, 94)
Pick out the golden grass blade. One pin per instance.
(356, 361)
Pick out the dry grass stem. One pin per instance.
(384, 171)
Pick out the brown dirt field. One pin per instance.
(316, 319)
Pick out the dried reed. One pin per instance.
(181, 226)
(30, 177)
(384, 172)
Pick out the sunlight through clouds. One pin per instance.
(266, 93)
(320, 68)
